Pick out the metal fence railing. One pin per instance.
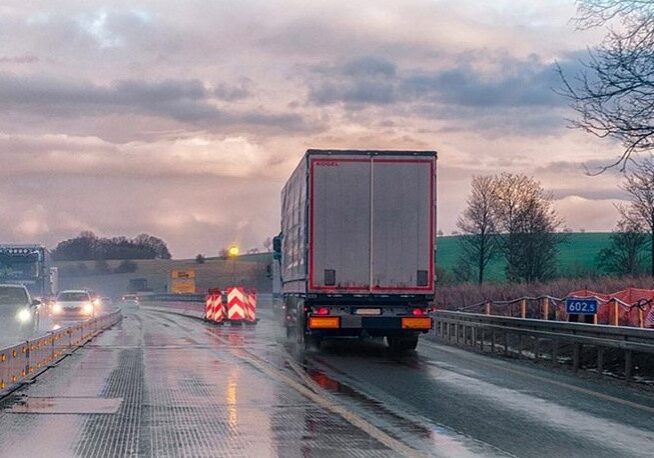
(600, 348)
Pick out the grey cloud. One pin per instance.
(596, 194)
(363, 81)
(374, 80)
(589, 167)
(187, 101)
(24, 59)
(235, 92)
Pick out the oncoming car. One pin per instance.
(130, 299)
(79, 303)
(19, 313)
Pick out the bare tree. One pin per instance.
(639, 185)
(614, 92)
(477, 224)
(625, 254)
(528, 227)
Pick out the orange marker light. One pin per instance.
(418, 323)
(324, 322)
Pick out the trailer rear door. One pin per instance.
(403, 221)
(339, 215)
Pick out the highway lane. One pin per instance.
(190, 388)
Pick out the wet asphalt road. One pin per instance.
(160, 384)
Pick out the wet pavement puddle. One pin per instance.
(66, 405)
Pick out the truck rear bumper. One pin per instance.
(354, 325)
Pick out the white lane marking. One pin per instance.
(579, 389)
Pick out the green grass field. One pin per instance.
(577, 255)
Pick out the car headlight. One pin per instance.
(24, 316)
(56, 308)
(88, 308)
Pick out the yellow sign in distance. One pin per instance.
(182, 286)
(183, 273)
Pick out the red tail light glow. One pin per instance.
(322, 311)
(418, 312)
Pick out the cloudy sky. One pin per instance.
(183, 119)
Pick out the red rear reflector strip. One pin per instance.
(324, 322)
(422, 323)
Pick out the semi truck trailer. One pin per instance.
(356, 248)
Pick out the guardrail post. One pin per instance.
(600, 361)
(616, 313)
(537, 349)
(641, 322)
(523, 308)
(488, 306)
(456, 333)
(576, 351)
(555, 350)
(628, 366)
(482, 334)
(493, 340)
(595, 319)
(546, 308)
(506, 343)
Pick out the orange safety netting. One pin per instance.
(635, 307)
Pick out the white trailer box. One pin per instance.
(358, 229)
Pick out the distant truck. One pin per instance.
(29, 265)
(356, 250)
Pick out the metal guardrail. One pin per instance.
(26, 360)
(164, 297)
(544, 340)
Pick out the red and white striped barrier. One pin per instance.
(214, 309)
(251, 295)
(236, 304)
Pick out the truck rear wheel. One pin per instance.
(401, 344)
(312, 341)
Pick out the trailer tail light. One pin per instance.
(324, 322)
(418, 312)
(322, 311)
(418, 323)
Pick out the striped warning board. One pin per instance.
(236, 304)
(214, 308)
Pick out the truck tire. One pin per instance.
(312, 341)
(402, 344)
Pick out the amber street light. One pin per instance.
(232, 253)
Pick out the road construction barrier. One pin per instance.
(251, 295)
(29, 358)
(236, 304)
(214, 308)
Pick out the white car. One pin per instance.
(77, 303)
(19, 313)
